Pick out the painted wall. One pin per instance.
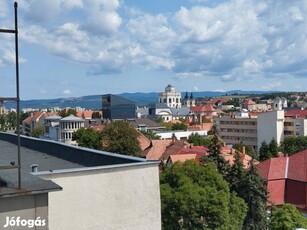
(28, 207)
(270, 125)
(106, 198)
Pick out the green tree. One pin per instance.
(23, 116)
(40, 130)
(215, 155)
(67, 112)
(89, 138)
(2, 121)
(248, 149)
(273, 147)
(151, 135)
(264, 152)
(121, 137)
(249, 186)
(255, 195)
(96, 114)
(292, 144)
(197, 197)
(179, 126)
(11, 119)
(196, 139)
(287, 218)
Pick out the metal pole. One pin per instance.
(18, 97)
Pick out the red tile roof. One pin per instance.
(85, 114)
(248, 102)
(297, 169)
(202, 108)
(156, 149)
(296, 113)
(181, 157)
(274, 168)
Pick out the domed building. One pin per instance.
(170, 97)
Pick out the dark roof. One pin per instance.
(146, 121)
(51, 157)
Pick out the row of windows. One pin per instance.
(239, 138)
(238, 122)
(239, 130)
(71, 125)
(66, 136)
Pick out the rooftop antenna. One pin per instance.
(17, 98)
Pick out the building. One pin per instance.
(286, 179)
(118, 108)
(100, 190)
(235, 129)
(170, 97)
(35, 120)
(169, 113)
(188, 101)
(270, 125)
(68, 125)
(3, 110)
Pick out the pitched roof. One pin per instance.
(182, 157)
(296, 113)
(202, 108)
(85, 114)
(248, 102)
(274, 168)
(173, 149)
(156, 149)
(297, 169)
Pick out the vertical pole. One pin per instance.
(18, 97)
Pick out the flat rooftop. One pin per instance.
(50, 157)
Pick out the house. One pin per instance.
(92, 189)
(286, 178)
(35, 120)
(200, 111)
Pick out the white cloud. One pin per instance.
(234, 40)
(67, 91)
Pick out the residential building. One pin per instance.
(118, 108)
(146, 124)
(52, 127)
(200, 111)
(35, 120)
(101, 190)
(170, 97)
(270, 125)
(237, 128)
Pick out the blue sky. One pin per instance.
(72, 48)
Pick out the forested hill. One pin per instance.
(94, 101)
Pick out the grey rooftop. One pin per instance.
(50, 157)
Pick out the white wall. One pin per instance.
(126, 198)
(180, 134)
(270, 125)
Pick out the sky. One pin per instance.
(72, 48)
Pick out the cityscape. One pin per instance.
(129, 115)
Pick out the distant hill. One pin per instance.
(94, 101)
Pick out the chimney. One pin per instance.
(34, 167)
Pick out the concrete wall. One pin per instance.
(26, 207)
(270, 125)
(106, 198)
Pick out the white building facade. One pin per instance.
(170, 97)
(68, 125)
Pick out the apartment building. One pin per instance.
(237, 128)
(253, 130)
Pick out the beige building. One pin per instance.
(253, 131)
(101, 190)
(235, 129)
